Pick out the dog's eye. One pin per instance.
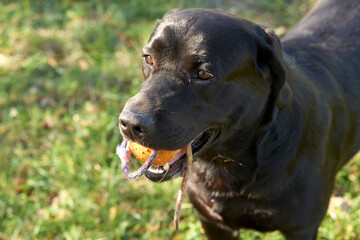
(149, 60)
(204, 75)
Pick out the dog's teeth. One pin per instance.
(156, 169)
(166, 166)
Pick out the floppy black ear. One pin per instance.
(269, 62)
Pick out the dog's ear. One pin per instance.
(269, 61)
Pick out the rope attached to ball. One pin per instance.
(181, 192)
(124, 152)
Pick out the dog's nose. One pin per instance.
(134, 126)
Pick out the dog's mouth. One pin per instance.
(175, 168)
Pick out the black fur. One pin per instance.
(286, 113)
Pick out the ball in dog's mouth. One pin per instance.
(162, 165)
(176, 166)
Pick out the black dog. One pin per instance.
(270, 123)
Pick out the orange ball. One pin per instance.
(142, 153)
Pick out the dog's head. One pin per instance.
(208, 75)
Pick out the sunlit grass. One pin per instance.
(66, 69)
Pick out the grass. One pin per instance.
(66, 70)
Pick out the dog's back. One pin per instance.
(332, 27)
(325, 44)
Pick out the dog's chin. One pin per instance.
(177, 166)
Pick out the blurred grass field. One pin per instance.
(66, 69)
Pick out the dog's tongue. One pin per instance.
(179, 154)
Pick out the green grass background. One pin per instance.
(66, 70)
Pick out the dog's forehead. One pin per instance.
(194, 26)
(177, 31)
(198, 36)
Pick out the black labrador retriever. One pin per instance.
(270, 122)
